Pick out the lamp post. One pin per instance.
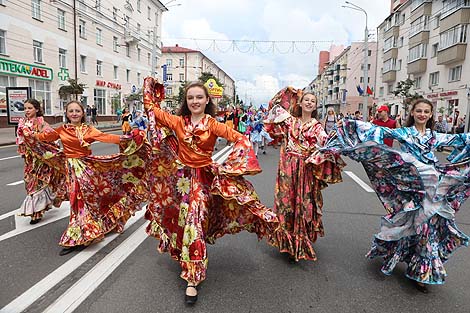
(365, 110)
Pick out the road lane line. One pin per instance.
(218, 154)
(76, 294)
(12, 157)
(16, 183)
(47, 283)
(359, 181)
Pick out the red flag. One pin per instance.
(369, 91)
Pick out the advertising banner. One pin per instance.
(15, 98)
(215, 91)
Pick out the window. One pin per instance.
(149, 58)
(126, 21)
(169, 62)
(128, 50)
(115, 71)
(82, 63)
(434, 50)
(138, 28)
(138, 79)
(3, 42)
(455, 73)
(36, 9)
(115, 44)
(169, 77)
(457, 34)
(436, 21)
(98, 5)
(41, 91)
(389, 65)
(99, 37)
(100, 101)
(369, 52)
(381, 91)
(399, 65)
(419, 25)
(390, 89)
(434, 79)
(138, 54)
(149, 13)
(451, 5)
(181, 62)
(99, 68)
(138, 5)
(82, 29)
(362, 67)
(417, 82)
(417, 52)
(115, 13)
(37, 51)
(62, 58)
(128, 76)
(400, 42)
(61, 19)
(389, 43)
(181, 77)
(168, 91)
(148, 35)
(6, 81)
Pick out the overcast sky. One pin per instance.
(259, 74)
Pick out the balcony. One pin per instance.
(389, 76)
(131, 36)
(394, 31)
(420, 37)
(423, 9)
(460, 15)
(417, 66)
(452, 54)
(391, 53)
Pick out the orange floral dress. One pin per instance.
(193, 199)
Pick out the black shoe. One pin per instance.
(67, 250)
(190, 300)
(421, 287)
(292, 260)
(32, 222)
(264, 152)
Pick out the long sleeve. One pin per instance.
(97, 135)
(48, 136)
(166, 119)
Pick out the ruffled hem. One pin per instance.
(39, 201)
(299, 247)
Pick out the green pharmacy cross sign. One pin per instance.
(63, 74)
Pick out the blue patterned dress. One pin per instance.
(420, 194)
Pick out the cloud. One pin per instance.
(260, 68)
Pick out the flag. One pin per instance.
(359, 89)
(369, 91)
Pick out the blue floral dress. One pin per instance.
(420, 194)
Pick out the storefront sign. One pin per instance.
(16, 97)
(12, 67)
(215, 91)
(442, 94)
(103, 83)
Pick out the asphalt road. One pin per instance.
(125, 273)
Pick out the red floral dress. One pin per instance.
(194, 200)
(104, 191)
(303, 172)
(44, 184)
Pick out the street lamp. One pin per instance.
(365, 110)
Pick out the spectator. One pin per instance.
(94, 113)
(384, 120)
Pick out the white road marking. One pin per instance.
(359, 181)
(12, 157)
(218, 154)
(76, 294)
(47, 283)
(16, 183)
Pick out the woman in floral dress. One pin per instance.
(420, 194)
(303, 172)
(194, 200)
(104, 191)
(44, 184)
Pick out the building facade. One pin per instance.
(186, 65)
(336, 86)
(111, 50)
(426, 41)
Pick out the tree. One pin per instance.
(205, 76)
(73, 88)
(224, 102)
(403, 90)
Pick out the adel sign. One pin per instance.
(215, 91)
(12, 67)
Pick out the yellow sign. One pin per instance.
(215, 91)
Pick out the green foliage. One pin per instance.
(403, 90)
(205, 76)
(73, 88)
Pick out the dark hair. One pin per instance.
(297, 109)
(37, 105)
(81, 107)
(210, 107)
(357, 112)
(411, 120)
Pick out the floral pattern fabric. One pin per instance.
(191, 207)
(44, 184)
(420, 195)
(104, 191)
(303, 172)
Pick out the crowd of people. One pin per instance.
(165, 161)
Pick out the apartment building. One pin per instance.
(110, 51)
(186, 65)
(426, 41)
(336, 85)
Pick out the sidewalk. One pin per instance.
(8, 136)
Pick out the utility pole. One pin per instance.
(154, 51)
(75, 42)
(365, 111)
